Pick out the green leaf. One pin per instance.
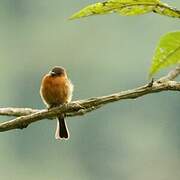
(127, 8)
(167, 52)
(164, 9)
(133, 7)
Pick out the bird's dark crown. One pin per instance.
(57, 71)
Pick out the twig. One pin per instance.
(171, 75)
(81, 107)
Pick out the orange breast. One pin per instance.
(55, 90)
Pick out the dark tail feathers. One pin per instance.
(61, 130)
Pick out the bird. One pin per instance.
(56, 89)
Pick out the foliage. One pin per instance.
(167, 52)
(127, 8)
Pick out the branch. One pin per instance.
(26, 116)
(171, 75)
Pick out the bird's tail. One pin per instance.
(61, 130)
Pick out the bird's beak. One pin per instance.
(52, 73)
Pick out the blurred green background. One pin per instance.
(129, 140)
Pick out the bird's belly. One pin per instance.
(55, 94)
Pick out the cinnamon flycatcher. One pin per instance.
(56, 89)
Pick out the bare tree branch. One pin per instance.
(26, 116)
(171, 75)
(12, 111)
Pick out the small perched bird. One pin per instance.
(56, 89)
